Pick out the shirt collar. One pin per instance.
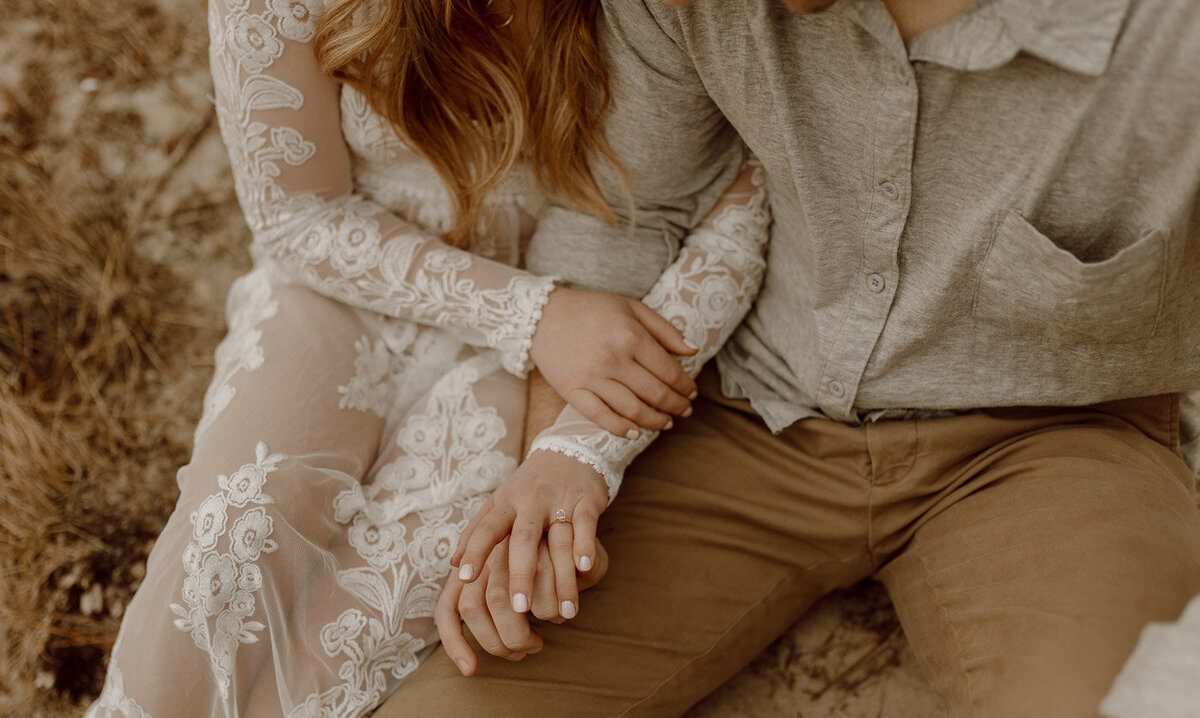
(1077, 35)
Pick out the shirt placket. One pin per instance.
(872, 291)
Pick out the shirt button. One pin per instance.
(889, 189)
(876, 283)
(837, 388)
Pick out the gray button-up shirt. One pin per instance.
(1002, 213)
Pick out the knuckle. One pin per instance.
(496, 596)
(527, 532)
(471, 611)
(675, 373)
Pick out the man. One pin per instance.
(961, 374)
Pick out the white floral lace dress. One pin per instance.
(369, 395)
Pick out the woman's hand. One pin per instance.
(484, 606)
(552, 494)
(610, 357)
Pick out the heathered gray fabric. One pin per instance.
(1004, 214)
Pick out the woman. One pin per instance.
(370, 392)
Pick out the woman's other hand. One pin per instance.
(610, 357)
(485, 607)
(549, 494)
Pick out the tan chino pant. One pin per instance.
(1024, 550)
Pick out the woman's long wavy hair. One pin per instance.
(451, 81)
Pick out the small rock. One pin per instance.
(92, 601)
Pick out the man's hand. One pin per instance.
(484, 606)
(610, 357)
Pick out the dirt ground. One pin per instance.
(119, 235)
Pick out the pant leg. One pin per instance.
(721, 537)
(1025, 583)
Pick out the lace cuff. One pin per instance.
(608, 455)
(516, 336)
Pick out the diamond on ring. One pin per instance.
(560, 517)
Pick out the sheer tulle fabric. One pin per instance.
(368, 397)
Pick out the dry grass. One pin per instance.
(105, 142)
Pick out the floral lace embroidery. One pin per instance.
(220, 585)
(449, 460)
(346, 246)
(377, 371)
(705, 293)
(448, 452)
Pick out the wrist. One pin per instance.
(571, 456)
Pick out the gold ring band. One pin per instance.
(560, 517)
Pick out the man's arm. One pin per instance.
(676, 148)
(542, 407)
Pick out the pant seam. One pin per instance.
(944, 615)
(870, 504)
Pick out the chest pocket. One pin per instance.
(1030, 285)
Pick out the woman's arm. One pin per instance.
(705, 293)
(281, 121)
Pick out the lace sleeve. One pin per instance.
(280, 119)
(704, 293)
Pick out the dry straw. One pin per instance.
(104, 346)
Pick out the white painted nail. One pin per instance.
(691, 346)
(463, 665)
(694, 394)
(585, 563)
(465, 572)
(670, 425)
(567, 609)
(520, 603)
(632, 434)
(687, 412)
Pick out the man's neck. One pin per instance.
(916, 16)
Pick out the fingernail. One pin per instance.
(585, 563)
(465, 572)
(567, 609)
(520, 603)
(670, 424)
(632, 434)
(463, 665)
(695, 393)
(691, 346)
(536, 649)
(687, 412)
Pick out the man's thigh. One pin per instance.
(1023, 596)
(718, 541)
